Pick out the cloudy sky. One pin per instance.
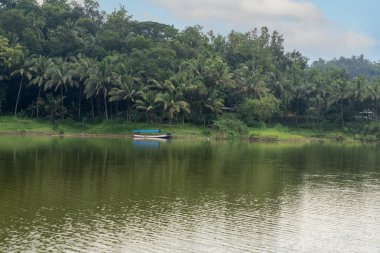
(318, 28)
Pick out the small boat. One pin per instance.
(150, 134)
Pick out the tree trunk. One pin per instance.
(150, 118)
(307, 110)
(341, 112)
(18, 95)
(324, 111)
(318, 111)
(79, 103)
(297, 111)
(375, 109)
(285, 114)
(117, 108)
(97, 105)
(92, 109)
(105, 107)
(111, 110)
(38, 99)
(61, 102)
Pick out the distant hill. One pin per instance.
(356, 65)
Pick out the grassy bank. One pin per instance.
(12, 125)
(281, 133)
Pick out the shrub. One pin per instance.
(230, 125)
(372, 129)
(263, 109)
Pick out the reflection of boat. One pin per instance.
(150, 134)
(143, 143)
(148, 143)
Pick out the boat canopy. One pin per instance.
(147, 131)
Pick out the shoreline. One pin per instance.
(10, 126)
(89, 135)
(251, 139)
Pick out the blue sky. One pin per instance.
(318, 28)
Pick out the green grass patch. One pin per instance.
(297, 134)
(21, 125)
(9, 124)
(275, 134)
(13, 125)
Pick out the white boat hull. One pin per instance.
(158, 136)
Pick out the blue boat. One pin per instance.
(150, 134)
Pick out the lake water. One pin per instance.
(109, 195)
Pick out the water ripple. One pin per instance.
(114, 201)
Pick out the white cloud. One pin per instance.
(303, 25)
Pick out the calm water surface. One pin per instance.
(99, 195)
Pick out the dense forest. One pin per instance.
(61, 61)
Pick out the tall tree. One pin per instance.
(341, 90)
(84, 68)
(61, 78)
(100, 82)
(251, 80)
(359, 86)
(147, 103)
(39, 68)
(23, 72)
(374, 94)
(127, 91)
(172, 104)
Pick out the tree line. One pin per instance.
(63, 60)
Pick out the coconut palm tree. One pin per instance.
(212, 103)
(24, 72)
(340, 90)
(2, 92)
(84, 68)
(219, 75)
(284, 87)
(251, 80)
(322, 93)
(360, 88)
(127, 91)
(37, 24)
(39, 69)
(198, 66)
(172, 104)
(373, 92)
(61, 75)
(100, 82)
(147, 103)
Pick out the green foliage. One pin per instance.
(13, 21)
(356, 65)
(371, 129)
(52, 108)
(266, 107)
(9, 55)
(108, 66)
(252, 110)
(229, 125)
(245, 112)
